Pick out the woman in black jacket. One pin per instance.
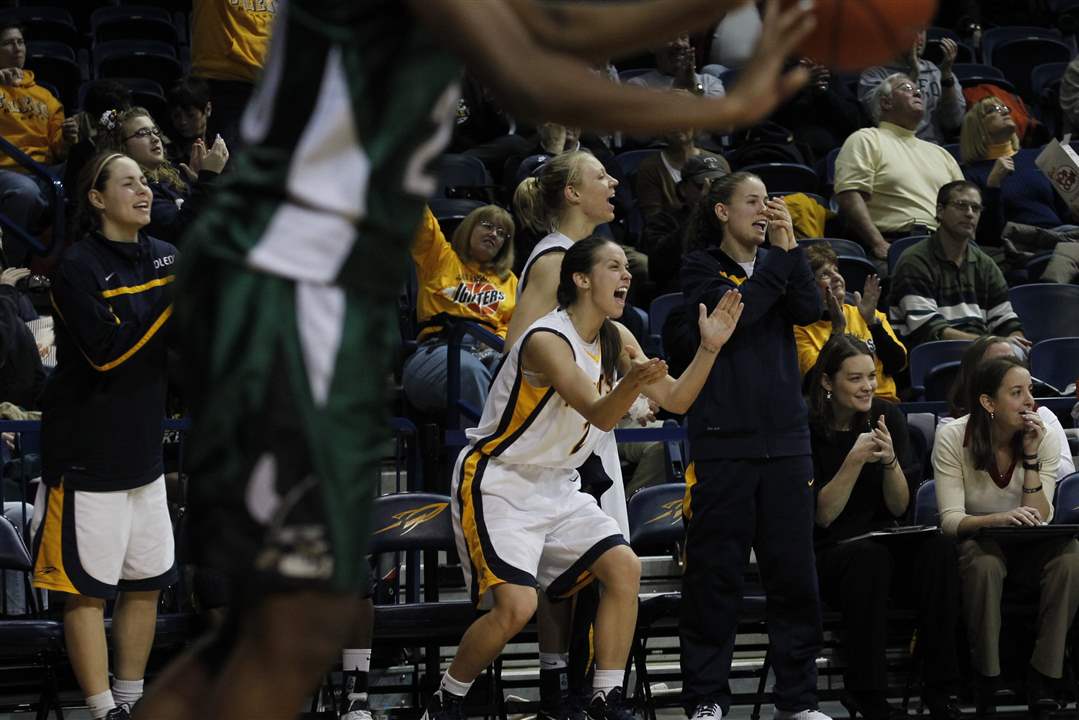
(102, 529)
(751, 478)
(861, 459)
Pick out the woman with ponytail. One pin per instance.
(101, 526)
(520, 519)
(751, 478)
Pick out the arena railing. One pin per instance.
(56, 189)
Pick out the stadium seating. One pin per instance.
(925, 504)
(156, 60)
(855, 269)
(993, 37)
(133, 23)
(927, 356)
(464, 176)
(58, 65)
(1017, 58)
(1046, 310)
(1056, 361)
(44, 23)
(841, 246)
(896, 248)
(657, 315)
(1066, 500)
(786, 177)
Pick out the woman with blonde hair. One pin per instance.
(1020, 203)
(178, 192)
(467, 278)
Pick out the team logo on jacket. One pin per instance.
(479, 296)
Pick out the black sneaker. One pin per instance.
(611, 706)
(118, 713)
(444, 705)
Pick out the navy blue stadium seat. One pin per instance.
(1047, 310)
(841, 246)
(155, 60)
(1056, 361)
(1017, 58)
(133, 22)
(528, 167)
(965, 70)
(145, 93)
(939, 380)
(1066, 500)
(1045, 90)
(46, 23)
(451, 211)
(58, 65)
(929, 355)
(855, 269)
(463, 176)
(993, 37)
(657, 315)
(925, 504)
(897, 247)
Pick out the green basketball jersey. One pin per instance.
(354, 102)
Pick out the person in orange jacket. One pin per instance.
(32, 120)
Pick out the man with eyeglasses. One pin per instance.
(886, 178)
(944, 287)
(942, 95)
(32, 120)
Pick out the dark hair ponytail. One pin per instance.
(93, 176)
(580, 258)
(704, 228)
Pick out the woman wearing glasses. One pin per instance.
(468, 278)
(178, 192)
(1013, 188)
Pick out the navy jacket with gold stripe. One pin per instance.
(103, 406)
(752, 406)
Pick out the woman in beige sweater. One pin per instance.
(996, 467)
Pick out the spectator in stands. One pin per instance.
(886, 179)
(32, 120)
(663, 237)
(859, 319)
(113, 300)
(101, 96)
(942, 95)
(945, 287)
(658, 175)
(752, 474)
(1020, 204)
(21, 373)
(676, 67)
(228, 47)
(823, 114)
(997, 467)
(982, 350)
(189, 110)
(468, 279)
(177, 199)
(1069, 96)
(861, 461)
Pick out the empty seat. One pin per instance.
(897, 247)
(47, 23)
(154, 60)
(993, 37)
(929, 355)
(1017, 58)
(786, 177)
(1046, 310)
(56, 64)
(1056, 361)
(133, 22)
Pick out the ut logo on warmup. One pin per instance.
(672, 510)
(409, 520)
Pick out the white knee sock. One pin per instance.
(458, 688)
(100, 704)
(126, 691)
(603, 681)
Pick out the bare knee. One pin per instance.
(619, 569)
(514, 607)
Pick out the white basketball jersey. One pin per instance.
(553, 242)
(527, 425)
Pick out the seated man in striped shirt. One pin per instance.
(944, 287)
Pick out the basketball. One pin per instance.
(855, 34)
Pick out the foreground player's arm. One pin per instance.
(534, 81)
(677, 396)
(538, 297)
(550, 355)
(597, 31)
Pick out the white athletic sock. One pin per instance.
(100, 704)
(126, 691)
(603, 681)
(553, 661)
(458, 688)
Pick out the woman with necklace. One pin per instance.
(997, 467)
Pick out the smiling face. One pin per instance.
(12, 48)
(1014, 397)
(142, 141)
(608, 281)
(124, 203)
(829, 280)
(486, 239)
(745, 218)
(853, 385)
(593, 191)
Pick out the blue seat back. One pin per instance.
(896, 249)
(1047, 310)
(1056, 361)
(926, 356)
(925, 504)
(855, 269)
(993, 37)
(786, 177)
(1066, 500)
(1017, 58)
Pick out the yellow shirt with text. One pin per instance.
(229, 38)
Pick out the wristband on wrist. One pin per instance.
(1030, 457)
(892, 462)
(1031, 491)
(1032, 466)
